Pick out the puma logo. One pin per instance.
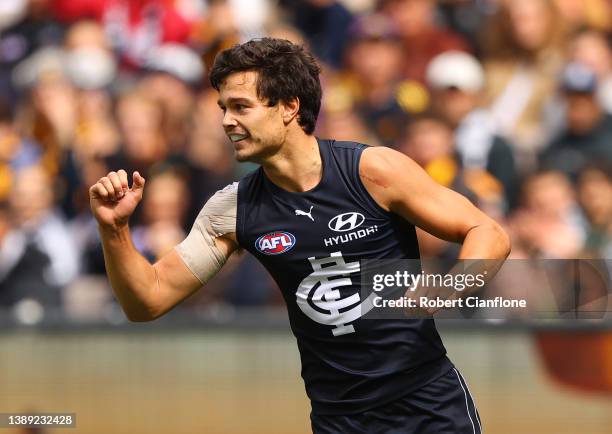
(307, 214)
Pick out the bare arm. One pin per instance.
(401, 186)
(145, 291)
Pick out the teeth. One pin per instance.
(237, 137)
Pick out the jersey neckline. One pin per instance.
(323, 149)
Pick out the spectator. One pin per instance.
(548, 224)
(16, 152)
(141, 124)
(588, 132)
(456, 80)
(222, 23)
(326, 26)
(592, 49)
(216, 30)
(50, 113)
(164, 209)
(39, 253)
(430, 142)
(374, 60)
(595, 195)
(32, 202)
(422, 36)
(342, 122)
(90, 64)
(174, 76)
(525, 46)
(24, 286)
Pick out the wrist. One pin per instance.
(114, 231)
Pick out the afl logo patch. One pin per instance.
(275, 243)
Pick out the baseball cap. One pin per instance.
(577, 77)
(90, 67)
(177, 60)
(455, 69)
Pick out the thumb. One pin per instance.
(138, 182)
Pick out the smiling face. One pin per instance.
(256, 129)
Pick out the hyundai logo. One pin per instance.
(346, 222)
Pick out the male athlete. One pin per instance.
(362, 376)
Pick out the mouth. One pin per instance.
(235, 138)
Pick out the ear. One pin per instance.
(290, 110)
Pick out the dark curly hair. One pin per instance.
(285, 71)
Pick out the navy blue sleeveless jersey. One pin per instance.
(311, 243)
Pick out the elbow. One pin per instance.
(143, 315)
(490, 241)
(502, 241)
(139, 318)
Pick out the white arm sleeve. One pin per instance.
(217, 218)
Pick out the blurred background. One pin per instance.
(507, 101)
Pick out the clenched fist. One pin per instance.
(111, 199)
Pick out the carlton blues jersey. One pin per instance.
(311, 243)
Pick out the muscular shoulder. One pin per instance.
(377, 161)
(383, 171)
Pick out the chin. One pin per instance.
(243, 156)
(253, 153)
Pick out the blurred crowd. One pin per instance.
(507, 101)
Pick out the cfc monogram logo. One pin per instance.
(331, 273)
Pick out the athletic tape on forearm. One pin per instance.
(217, 218)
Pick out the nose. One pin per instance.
(228, 120)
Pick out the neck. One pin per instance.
(297, 167)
